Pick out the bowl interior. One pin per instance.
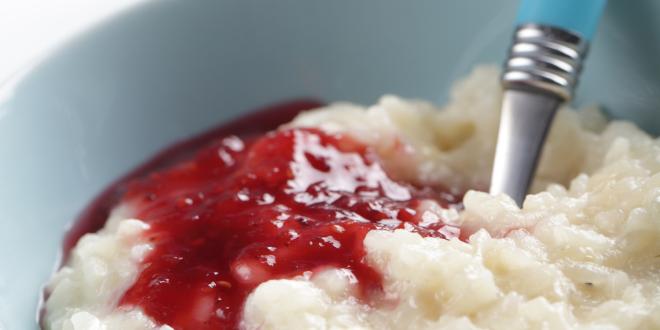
(165, 70)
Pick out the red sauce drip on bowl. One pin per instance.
(244, 210)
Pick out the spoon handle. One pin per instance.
(541, 71)
(578, 16)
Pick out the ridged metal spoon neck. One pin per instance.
(544, 59)
(540, 73)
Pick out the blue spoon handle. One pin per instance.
(578, 16)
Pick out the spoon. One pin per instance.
(542, 68)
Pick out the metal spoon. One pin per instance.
(540, 73)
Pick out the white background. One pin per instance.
(29, 29)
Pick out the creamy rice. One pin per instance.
(582, 253)
(84, 293)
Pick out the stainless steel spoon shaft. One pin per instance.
(540, 73)
(524, 123)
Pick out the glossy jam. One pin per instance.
(241, 212)
(235, 212)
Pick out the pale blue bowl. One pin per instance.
(163, 71)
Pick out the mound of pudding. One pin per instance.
(352, 217)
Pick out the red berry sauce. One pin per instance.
(246, 210)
